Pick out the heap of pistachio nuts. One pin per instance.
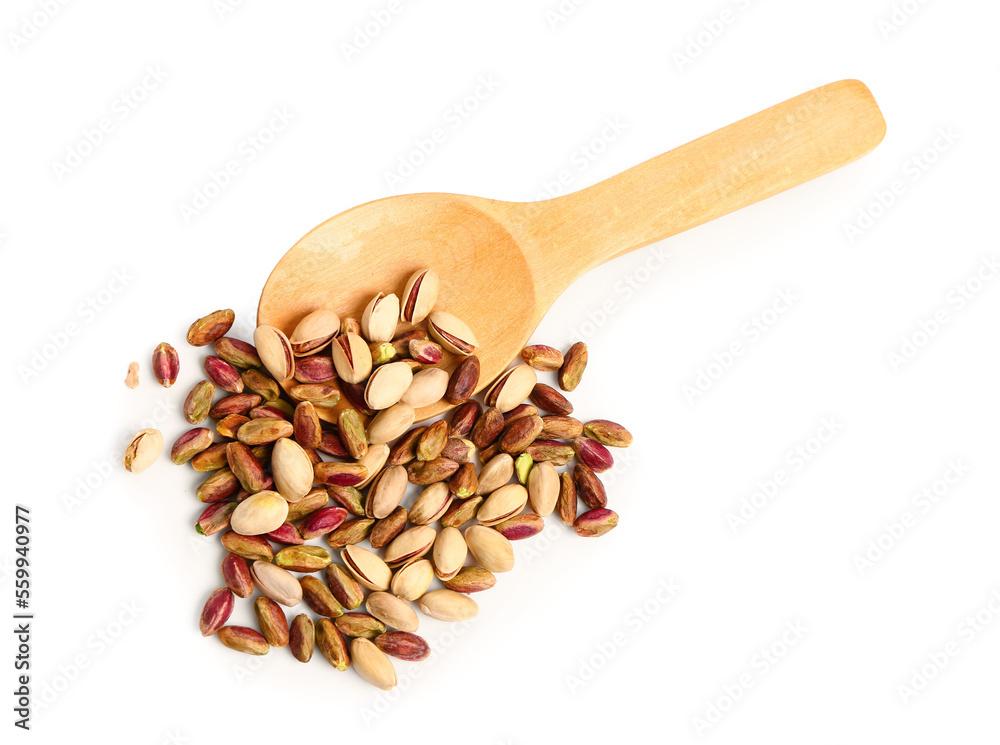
(277, 466)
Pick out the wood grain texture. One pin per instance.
(503, 264)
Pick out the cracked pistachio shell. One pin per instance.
(386, 492)
(351, 358)
(368, 569)
(314, 332)
(512, 388)
(275, 351)
(431, 504)
(143, 450)
(374, 460)
(452, 333)
(378, 323)
(420, 295)
(410, 544)
(505, 502)
(413, 580)
(387, 385)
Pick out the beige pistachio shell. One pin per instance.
(491, 550)
(431, 504)
(373, 460)
(503, 503)
(412, 580)
(450, 552)
(543, 488)
(391, 423)
(276, 583)
(259, 513)
(351, 358)
(448, 605)
(292, 469)
(394, 612)
(378, 323)
(427, 387)
(314, 332)
(497, 472)
(368, 569)
(512, 388)
(387, 385)
(373, 664)
(275, 351)
(143, 450)
(419, 295)
(452, 333)
(410, 544)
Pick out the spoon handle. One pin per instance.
(755, 158)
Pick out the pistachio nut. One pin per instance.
(237, 353)
(520, 434)
(218, 487)
(609, 434)
(331, 444)
(340, 474)
(553, 451)
(351, 532)
(276, 583)
(487, 428)
(490, 549)
(238, 403)
(402, 342)
(465, 482)
(275, 351)
(264, 431)
(352, 433)
(412, 580)
(541, 357)
(409, 545)
(355, 396)
(331, 644)
(423, 473)
(448, 605)
(574, 364)
(351, 358)
(593, 454)
(348, 497)
(489, 453)
(405, 449)
(372, 664)
(210, 328)
(189, 444)
(385, 530)
(359, 625)
(245, 467)
(317, 368)
(392, 611)
(387, 385)
(217, 610)
(428, 353)
(518, 412)
(142, 450)
(224, 375)
(463, 381)
(495, 473)
(519, 527)
(505, 502)
(386, 492)
(426, 387)
(229, 426)
(452, 333)
(594, 523)
(250, 547)
(461, 511)
(318, 394)
(344, 587)
(378, 322)
(522, 467)
(374, 460)
(271, 621)
(166, 364)
(449, 554)
(259, 513)
(511, 388)
(459, 450)
(316, 499)
(303, 558)
(589, 487)
(543, 488)
(314, 332)
(549, 399)
(560, 427)
(322, 521)
(403, 645)
(430, 504)
(215, 518)
(286, 533)
(419, 295)
(382, 353)
(306, 425)
(302, 637)
(132, 378)
(243, 639)
(350, 326)
(566, 503)
(261, 384)
(432, 441)
(277, 409)
(199, 401)
(236, 575)
(471, 579)
(464, 418)
(390, 423)
(319, 597)
(368, 569)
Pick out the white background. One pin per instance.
(559, 652)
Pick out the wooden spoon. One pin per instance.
(503, 264)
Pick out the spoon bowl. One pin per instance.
(503, 264)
